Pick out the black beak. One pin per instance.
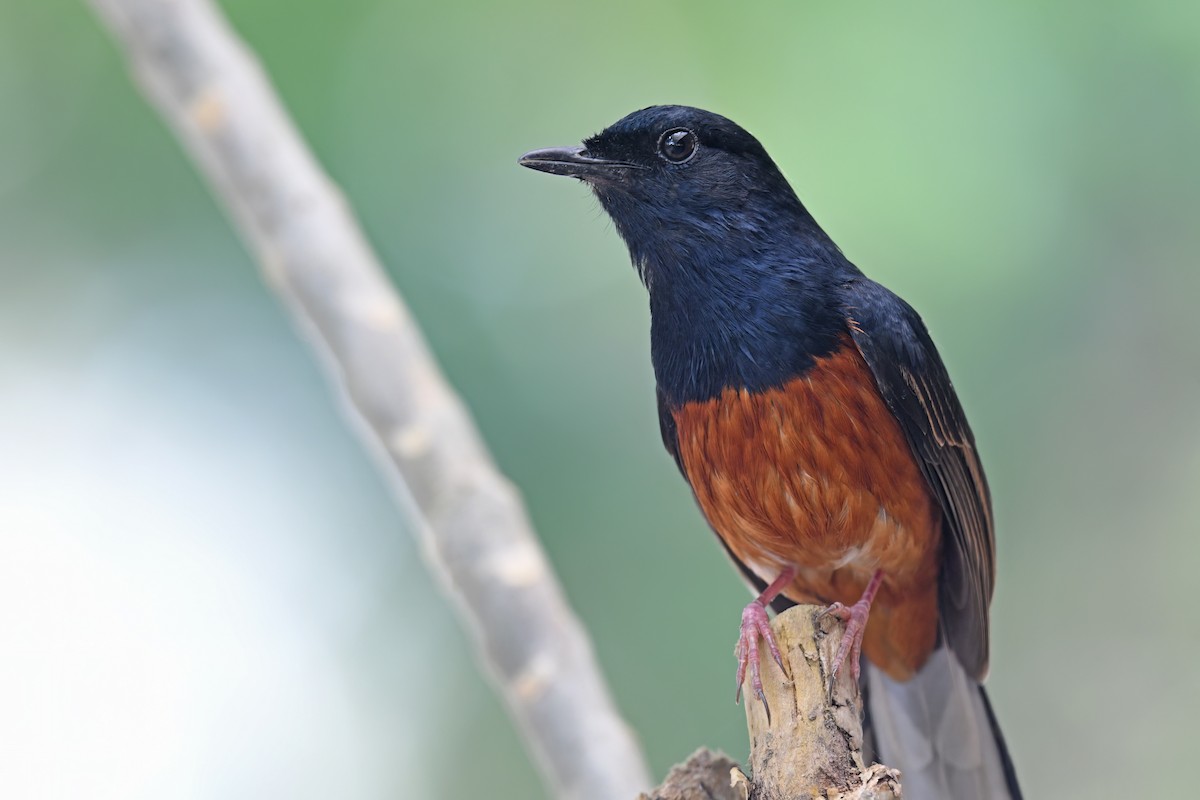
(575, 162)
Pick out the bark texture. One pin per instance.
(811, 743)
(809, 746)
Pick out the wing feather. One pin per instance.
(913, 382)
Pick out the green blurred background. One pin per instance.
(204, 588)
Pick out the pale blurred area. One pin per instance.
(205, 590)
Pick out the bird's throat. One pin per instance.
(709, 333)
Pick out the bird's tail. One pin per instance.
(939, 731)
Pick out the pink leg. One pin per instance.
(754, 627)
(855, 618)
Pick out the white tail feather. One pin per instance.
(937, 732)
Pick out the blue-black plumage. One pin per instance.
(810, 411)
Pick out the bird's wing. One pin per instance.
(913, 382)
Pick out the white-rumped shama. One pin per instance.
(810, 412)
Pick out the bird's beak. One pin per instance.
(575, 162)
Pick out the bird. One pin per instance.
(807, 407)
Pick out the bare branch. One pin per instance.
(472, 525)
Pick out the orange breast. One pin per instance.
(818, 475)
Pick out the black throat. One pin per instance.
(742, 300)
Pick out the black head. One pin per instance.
(659, 145)
(737, 269)
(667, 172)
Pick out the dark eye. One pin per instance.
(677, 145)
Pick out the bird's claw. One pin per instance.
(755, 626)
(855, 618)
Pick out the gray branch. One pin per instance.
(472, 526)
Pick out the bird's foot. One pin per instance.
(755, 626)
(855, 617)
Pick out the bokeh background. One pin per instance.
(205, 590)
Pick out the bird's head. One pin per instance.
(677, 181)
(741, 278)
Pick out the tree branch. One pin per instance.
(472, 525)
(810, 746)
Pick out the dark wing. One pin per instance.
(913, 382)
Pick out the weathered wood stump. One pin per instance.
(810, 746)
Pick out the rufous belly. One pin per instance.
(817, 475)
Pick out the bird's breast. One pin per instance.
(815, 474)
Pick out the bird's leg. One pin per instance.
(754, 626)
(855, 617)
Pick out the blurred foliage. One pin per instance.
(1026, 174)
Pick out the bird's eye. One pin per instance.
(677, 145)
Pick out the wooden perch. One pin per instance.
(811, 747)
(812, 744)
